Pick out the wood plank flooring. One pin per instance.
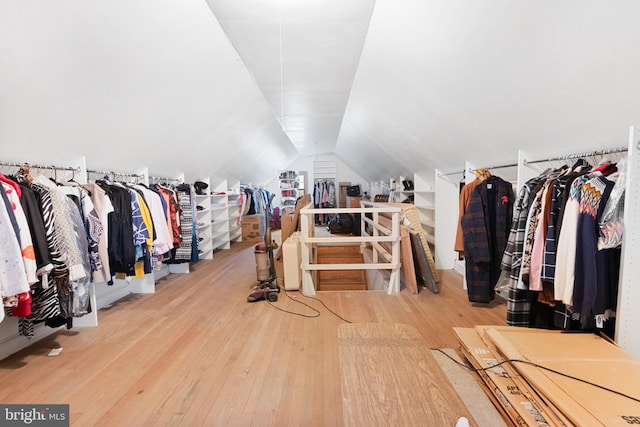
(390, 378)
(196, 353)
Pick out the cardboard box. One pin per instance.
(253, 227)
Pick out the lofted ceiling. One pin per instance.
(303, 56)
(240, 89)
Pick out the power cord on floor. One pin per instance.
(325, 306)
(310, 316)
(526, 362)
(306, 305)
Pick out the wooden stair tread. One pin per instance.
(338, 249)
(339, 260)
(343, 279)
(341, 287)
(340, 280)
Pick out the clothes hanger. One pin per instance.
(54, 178)
(72, 180)
(483, 173)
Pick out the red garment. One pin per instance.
(13, 184)
(24, 305)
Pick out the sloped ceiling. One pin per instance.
(441, 82)
(130, 84)
(390, 87)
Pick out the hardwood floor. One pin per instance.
(196, 353)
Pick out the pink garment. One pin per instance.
(537, 252)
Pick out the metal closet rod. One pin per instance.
(132, 175)
(31, 165)
(510, 165)
(579, 155)
(551, 159)
(162, 178)
(451, 173)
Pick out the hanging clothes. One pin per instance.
(80, 303)
(162, 237)
(183, 252)
(51, 297)
(518, 304)
(120, 246)
(172, 207)
(486, 224)
(465, 196)
(596, 271)
(324, 196)
(612, 220)
(100, 271)
(13, 278)
(558, 277)
(24, 235)
(63, 230)
(539, 236)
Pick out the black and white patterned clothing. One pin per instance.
(31, 208)
(63, 229)
(183, 252)
(52, 296)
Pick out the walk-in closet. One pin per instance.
(319, 213)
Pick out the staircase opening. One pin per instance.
(340, 280)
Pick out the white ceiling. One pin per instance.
(390, 87)
(303, 55)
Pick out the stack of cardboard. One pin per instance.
(528, 394)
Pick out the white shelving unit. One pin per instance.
(397, 192)
(220, 221)
(378, 187)
(400, 196)
(288, 190)
(204, 226)
(234, 203)
(424, 197)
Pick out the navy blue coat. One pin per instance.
(485, 227)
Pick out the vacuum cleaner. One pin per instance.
(267, 288)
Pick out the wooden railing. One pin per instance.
(373, 234)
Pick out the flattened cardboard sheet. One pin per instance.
(515, 401)
(585, 356)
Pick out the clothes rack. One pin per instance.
(154, 179)
(510, 165)
(114, 175)
(53, 168)
(579, 155)
(441, 175)
(60, 168)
